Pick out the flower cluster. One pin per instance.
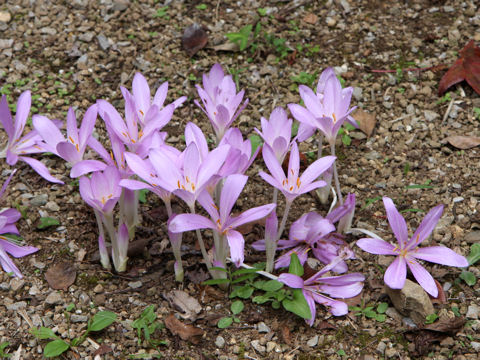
(211, 179)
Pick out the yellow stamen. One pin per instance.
(77, 147)
(178, 183)
(291, 188)
(334, 118)
(141, 112)
(298, 182)
(70, 138)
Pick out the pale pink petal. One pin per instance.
(40, 169)
(23, 108)
(187, 222)
(272, 164)
(440, 255)
(86, 166)
(423, 277)
(376, 246)
(396, 273)
(291, 280)
(236, 244)
(231, 190)
(141, 92)
(6, 118)
(426, 226)
(250, 215)
(316, 169)
(396, 221)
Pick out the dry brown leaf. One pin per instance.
(366, 121)
(186, 332)
(186, 304)
(102, 350)
(447, 325)
(60, 276)
(463, 142)
(194, 38)
(228, 46)
(310, 18)
(285, 331)
(441, 297)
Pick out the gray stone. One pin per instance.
(103, 42)
(16, 284)
(135, 284)
(87, 37)
(52, 206)
(34, 290)
(473, 311)
(271, 346)
(475, 346)
(411, 301)
(84, 298)
(54, 298)
(258, 347)
(313, 341)
(392, 313)
(75, 318)
(39, 200)
(263, 328)
(473, 237)
(38, 264)
(36, 320)
(448, 9)
(219, 342)
(48, 31)
(390, 352)
(6, 43)
(4, 286)
(430, 115)
(120, 5)
(358, 93)
(447, 342)
(381, 347)
(17, 306)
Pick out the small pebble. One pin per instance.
(135, 284)
(54, 298)
(98, 288)
(473, 311)
(313, 341)
(258, 347)
(219, 342)
(263, 328)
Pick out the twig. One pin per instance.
(445, 117)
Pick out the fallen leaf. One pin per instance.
(194, 38)
(366, 121)
(466, 67)
(186, 304)
(228, 46)
(102, 350)
(325, 325)
(285, 331)
(463, 142)
(310, 18)
(60, 276)
(186, 332)
(197, 275)
(447, 325)
(441, 297)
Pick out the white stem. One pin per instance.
(284, 218)
(201, 243)
(261, 272)
(335, 174)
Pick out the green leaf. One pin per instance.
(101, 320)
(346, 140)
(263, 12)
(244, 271)
(295, 267)
(241, 37)
(142, 195)
(70, 307)
(255, 141)
(370, 314)
(381, 317)
(216, 281)
(298, 305)
(261, 299)
(43, 333)
(430, 319)
(474, 255)
(218, 268)
(46, 222)
(276, 304)
(341, 352)
(468, 277)
(243, 292)
(382, 307)
(55, 348)
(237, 307)
(295, 126)
(225, 322)
(272, 285)
(201, 7)
(259, 284)
(244, 278)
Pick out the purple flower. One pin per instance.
(31, 143)
(294, 185)
(72, 148)
(408, 250)
(276, 132)
(220, 100)
(314, 288)
(102, 190)
(240, 156)
(221, 220)
(326, 110)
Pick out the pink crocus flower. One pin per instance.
(276, 132)
(240, 156)
(221, 221)
(220, 100)
(292, 184)
(17, 147)
(73, 147)
(408, 250)
(326, 110)
(314, 288)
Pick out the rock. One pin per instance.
(103, 42)
(473, 312)
(381, 347)
(75, 318)
(358, 93)
(84, 298)
(473, 237)
(52, 206)
(17, 306)
(87, 37)
(411, 301)
(5, 16)
(34, 290)
(391, 352)
(48, 31)
(135, 284)
(16, 284)
(430, 115)
(120, 5)
(392, 313)
(98, 289)
(39, 200)
(54, 298)
(313, 341)
(475, 345)
(6, 43)
(219, 342)
(271, 346)
(258, 347)
(447, 342)
(263, 328)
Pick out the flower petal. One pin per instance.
(396, 221)
(6, 118)
(272, 164)
(16, 250)
(23, 108)
(232, 188)
(236, 243)
(376, 246)
(423, 277)
(86, 166)
(316, 168)
(250, 215)
(396, 273)
(291, 280)
(40, 169)
(440, 255)
(187, 222)
(426, 226)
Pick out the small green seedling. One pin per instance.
(425, 185)
(476, 111)
(236, 308)
(3, 346)
(472, 258)
(430, 319)
(370, 312)
(201, 7)
(370, 201)
(241, 37)
(46, 222)
(57, 346)
(148, 324)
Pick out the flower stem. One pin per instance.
(284, 218)
(320, 145)
(275, 196)
(335, 175)
(201, 243)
